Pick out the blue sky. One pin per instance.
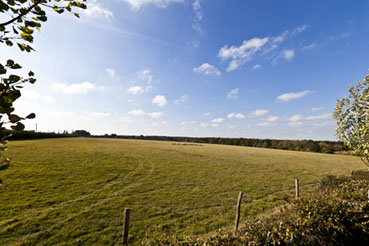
(228, 68)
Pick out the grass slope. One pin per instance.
(73, 191)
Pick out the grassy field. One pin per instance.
(74, 191)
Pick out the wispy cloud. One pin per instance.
(272, 118)
(207, 69)
(218, 120)
(310, 46)
(159, 100)
(138, 4)
(292, 96)
(295, 120)
(235, 115)
(233, 94)
(288, 54)
(316, 109)
(257, 66)
(135, 90)
(111, 72)
(259, 112)
(199, 15)
(137, 112)
(205, 125)
(319, 117)
(77, 88)
(156, 114)
(182, 99)
(239, 55)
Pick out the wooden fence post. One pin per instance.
(127, 212)
(238, 212)
(297, 188)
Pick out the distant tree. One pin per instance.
(352, 116)
(81, 133)
(20, 19)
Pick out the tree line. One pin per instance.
(297, 145)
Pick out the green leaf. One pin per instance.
(9, 63)
(21, 47)
(14, 78)
(13, 118)
(2, 69)
(31, 116)
(18, 127)
(9, 43)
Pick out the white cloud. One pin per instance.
(207, 114)
(135, 90)
(257, 66)
(208, 125)
(137, 112)
(292, 95)
(182, 99)
(260, 112)
(159, 100)
(319, 117)
(110, 71)
(156, 114)
(288, 54)
(100, 115)
(97, 11)
(239, 55)
(237, 116)
(218, 120)
(233, 94)
(207, 69)
(77, 88)
(137, 4)
(272, 118)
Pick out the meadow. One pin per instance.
(73, 191)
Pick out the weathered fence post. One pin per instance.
(238, 212)
(127, 212)
(297, 188)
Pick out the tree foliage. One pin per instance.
(22, 18)
(352, 115)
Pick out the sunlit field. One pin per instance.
(73, 191)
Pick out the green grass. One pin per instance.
(74, 191)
